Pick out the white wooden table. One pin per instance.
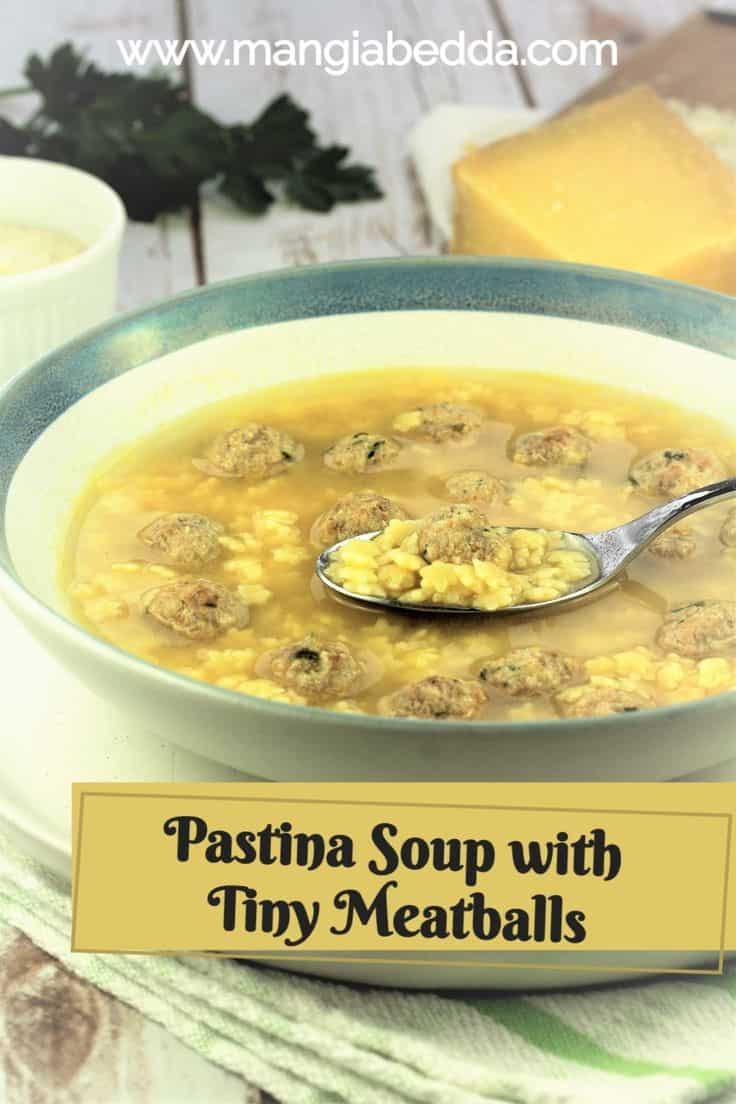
(64, 1042)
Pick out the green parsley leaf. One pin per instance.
(143, 137)
(320, 180)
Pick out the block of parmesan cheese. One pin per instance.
(622, 182)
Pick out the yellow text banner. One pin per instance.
(400, 868)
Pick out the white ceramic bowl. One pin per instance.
(56, 425)
(45, 307)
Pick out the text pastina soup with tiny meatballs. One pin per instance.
(195, 549)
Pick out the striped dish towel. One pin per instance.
(312, 1042)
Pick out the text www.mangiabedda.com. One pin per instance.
(337, 56)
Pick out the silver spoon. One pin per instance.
(609, 552)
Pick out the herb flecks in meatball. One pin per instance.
(728, 530)
(362, 452)
(673, 472)
(677, 543)
(561, 445)
(593, 700)
(185, 539)
(317, 668)
(699, 629)
(356, 513)
(460, 534)
(531, 672)
(437, 698)
(251, 451)
(196, 608)
(477, 487)
(440, 422)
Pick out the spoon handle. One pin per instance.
(615, 547)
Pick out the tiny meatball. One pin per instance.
(601, 701)
(356, 513)
(677, 543)
(674, 472)
(477, 487)
(186, 539)
(440, 422)
(438, 698)
(700, 629)
(531, 672)
(557, 445)
(728, 530)
(253, 450)
(362, 452)
(196, 608)
(317, 668)
(460, 534)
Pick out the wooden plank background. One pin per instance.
(63, 1041)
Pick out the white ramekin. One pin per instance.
(43, 308)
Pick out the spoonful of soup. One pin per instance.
(456, 561)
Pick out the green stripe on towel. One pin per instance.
(548, 1033)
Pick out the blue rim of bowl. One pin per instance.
(665, 308)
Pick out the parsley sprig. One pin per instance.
(147, 141)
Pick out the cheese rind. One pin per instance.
(622, 182)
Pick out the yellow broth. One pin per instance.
(268, 553)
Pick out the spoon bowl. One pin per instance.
(609, 552)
